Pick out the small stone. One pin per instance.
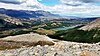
(31, 53)
(50, 54)
(38, 46)
(76, 53)
(75, 46)
(23, 52)
(9, 54)
(36, 54)
(46, 45)
(52, 49)
(86, 49)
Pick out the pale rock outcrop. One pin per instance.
(92, 25)
(32, 37)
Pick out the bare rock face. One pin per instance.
(32, 37)
(92, 25)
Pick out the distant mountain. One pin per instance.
(89, 19)
(80, 18)
(92, 25)
(25, 14)
(71, 17)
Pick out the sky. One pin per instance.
(78, 8)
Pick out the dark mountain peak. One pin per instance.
(26, 14)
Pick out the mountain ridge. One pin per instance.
(25, 14)
(92, 25)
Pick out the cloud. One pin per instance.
(80, 11)
(21, 4)
(89, 1)
(67, 7)
(78, 2)
(13, 1)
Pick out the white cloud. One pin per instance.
(82, 11)
(13, 1)
(28, 5)
(61, 9)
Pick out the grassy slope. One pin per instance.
(78, 35)
(83, 36)
(14, 32)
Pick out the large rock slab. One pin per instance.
(32, 37)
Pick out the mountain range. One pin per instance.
(25, 14)
(81, 18)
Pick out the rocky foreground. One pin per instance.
(60, 48)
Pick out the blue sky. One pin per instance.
(49, 2)
(79, 8)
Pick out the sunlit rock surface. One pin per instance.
(61, 48)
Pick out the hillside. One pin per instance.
(10, 20)
(89, 33)
(92, 25)
(7, 22)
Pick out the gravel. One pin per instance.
(61, 48)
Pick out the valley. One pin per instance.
(49, 28)
(55, 28)
(78, 35)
